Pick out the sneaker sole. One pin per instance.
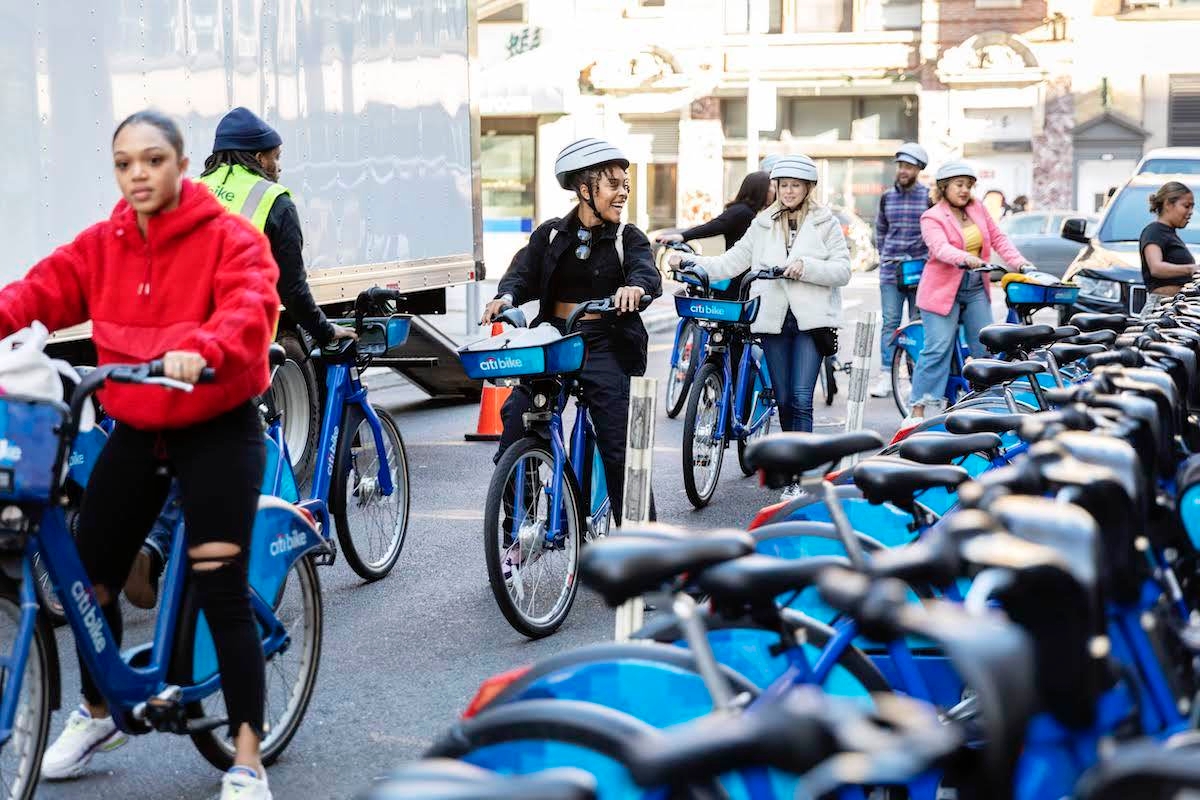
(106, 745)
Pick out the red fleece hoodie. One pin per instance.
(201, 279)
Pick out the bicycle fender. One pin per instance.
(282, 534)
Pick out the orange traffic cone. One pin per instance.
(490, 425)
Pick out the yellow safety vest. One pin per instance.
(243, 192)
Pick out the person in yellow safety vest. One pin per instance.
(243, 174)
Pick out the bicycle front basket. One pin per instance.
(557, 357)
(1033, 294)
(717, 310)
(29, 438)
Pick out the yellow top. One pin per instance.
(972, 238)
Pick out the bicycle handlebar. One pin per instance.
(604, 305)
(375, 297)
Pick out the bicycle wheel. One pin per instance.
(702, 454)
(756, 410)
(533, 579)
(903, 367)
(291, 672)
(371, 526)
(21, 756)
(679, 377)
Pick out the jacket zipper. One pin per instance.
(144, 286)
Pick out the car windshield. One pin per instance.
(1172, 166)
(1130, 212)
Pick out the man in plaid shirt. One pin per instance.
(898, 236)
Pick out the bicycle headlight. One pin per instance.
(718, 337)
(11, 516)
(1099, 288)
(540, 400)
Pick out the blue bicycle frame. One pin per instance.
(731, 424)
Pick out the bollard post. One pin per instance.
(860, 376)
(639, 456)
(473, 309)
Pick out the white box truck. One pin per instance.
(372, 99)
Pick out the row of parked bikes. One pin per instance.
(172, 684)
(1002, 603)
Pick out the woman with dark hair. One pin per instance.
(169, 275)
(1167, 263)
(756, 193)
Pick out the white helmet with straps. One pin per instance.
(956, 169)
(799, 167)
(913, 153)
(768, 163)
(583, 154)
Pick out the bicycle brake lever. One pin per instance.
(169, 383)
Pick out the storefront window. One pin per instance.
(508, 182)
(660, 198)
(854, 183)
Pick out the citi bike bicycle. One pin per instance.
(172, 683)
(544, 500)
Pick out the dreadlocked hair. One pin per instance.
(590, 177)
(233, 158)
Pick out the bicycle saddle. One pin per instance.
(1065, 353)
(785, 456)
(757, 578)
(887, 479)
(276, 355)
(932, 559)
(1088, 321)
(936, 447)
(964, 422)
(1003, 337)
(1063, 332)
(1141, 769)
(984, 373)
(447, 779)
(1104, 337)
(626, 566)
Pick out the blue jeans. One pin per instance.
(893, 298)
(971, 306)
(793, 360)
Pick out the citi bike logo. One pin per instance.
(710, 310)
(508, 362)
(9, 451)
(91, 615)
(287, 542)
(76, 459)
(333, 442)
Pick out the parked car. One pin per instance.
(1108, 269)
(1170, 161)
(860, 236)
(1038, 235)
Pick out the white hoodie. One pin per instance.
(815, 299)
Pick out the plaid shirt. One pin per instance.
(898, 227)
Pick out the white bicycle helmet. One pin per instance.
(913, 153)
(956, 169)
(768, 163)
(799, 167)
(583, 154)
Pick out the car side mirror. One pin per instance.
(1074, 229)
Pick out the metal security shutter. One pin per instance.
(663, 132)
(1183, 119)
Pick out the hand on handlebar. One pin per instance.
(794, 271)
(675, 260)
(493, 310)
(974, 262)
(343, 333)
(183, 365)
(628, 298)
(669, 238)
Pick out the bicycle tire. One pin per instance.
(902, 372)
(37, 682)
(214, 745)
(358, 443)
(765, 430)
(678, 386)
(709, 374)
(297, 389)
(494, 544)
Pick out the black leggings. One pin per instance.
(219, 465)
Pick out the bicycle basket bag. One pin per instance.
(29, 439)
(524, 353)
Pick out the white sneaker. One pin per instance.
(882, 387)
(790, 493)
(80, 740)
(243, 783)
(910, 422)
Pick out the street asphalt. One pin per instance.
(402, 657)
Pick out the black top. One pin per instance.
(731, 223)
(283, 232)
(532, 276)
(577, 280)
(1174, 251)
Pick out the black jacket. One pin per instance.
(283, 232)
(528, 278)
(732, 223)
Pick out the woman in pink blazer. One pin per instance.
(961, 236)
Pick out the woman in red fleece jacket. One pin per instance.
(169, 275)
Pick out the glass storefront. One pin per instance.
(509, 190)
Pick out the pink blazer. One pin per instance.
(943, 236)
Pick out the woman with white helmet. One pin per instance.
(798, 316)
(961, 236)
(586, 255)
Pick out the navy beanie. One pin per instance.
(241, 129)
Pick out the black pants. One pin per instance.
(606, 388)
(219, 465)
